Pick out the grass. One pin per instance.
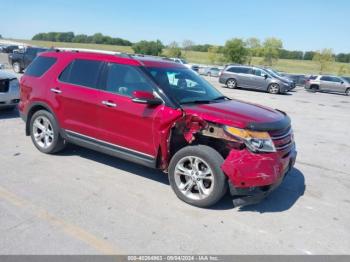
(285, 65)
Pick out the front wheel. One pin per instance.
(273, 89)
(196, 177)
(17, 67)
(347, 92)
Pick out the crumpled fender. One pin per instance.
(188, 124)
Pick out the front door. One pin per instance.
(122, 122)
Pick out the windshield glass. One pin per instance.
(184, 85)
(274, 73)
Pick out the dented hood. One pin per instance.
(239, 114)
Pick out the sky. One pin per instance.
(301, 25)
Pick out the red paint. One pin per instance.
(147, 129)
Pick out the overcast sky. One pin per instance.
(302, 25)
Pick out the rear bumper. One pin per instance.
(253, 176)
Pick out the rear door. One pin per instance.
(75, 96)
(242, 75)
(326, 83)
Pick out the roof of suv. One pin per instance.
(134, 60)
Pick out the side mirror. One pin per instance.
(265, 76)
(143, 97)
(342, 82)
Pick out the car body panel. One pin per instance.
(146, 130)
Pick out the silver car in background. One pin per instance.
(328, 83)
(234, 76)
(210, 71)
(9, 90)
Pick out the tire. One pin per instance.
(45, 133)
(205, 187)
(231, 83)
(347, 92)
(273, 89)
(17, 67)
(313, 89)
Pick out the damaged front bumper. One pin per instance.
(252, 176)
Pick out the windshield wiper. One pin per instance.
(196, 102)
(220, 98)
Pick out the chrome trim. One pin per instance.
(285, 146)
(110, 104)
(107, 143)
(282, 136)
(55, 90)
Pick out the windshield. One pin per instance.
(274, 73)
(184, 85)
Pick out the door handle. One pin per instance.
(56, 90)
(109, 104)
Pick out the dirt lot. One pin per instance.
(83, 202)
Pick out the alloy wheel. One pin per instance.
(194, 178)
(231, 83)
(43, 132)
(274, 89)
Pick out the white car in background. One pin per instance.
(185, 63)
(9, 90)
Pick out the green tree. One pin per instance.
(235, 51)
(324, 58)
(0, 36)
(174, 50)
(309, 55)
(254, 48)
(148, 47)
(271, 50)
(80, 38)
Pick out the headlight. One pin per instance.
(255, 141)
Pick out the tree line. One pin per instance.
(70, 37)
(235, 50)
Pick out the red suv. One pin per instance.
(159, 114)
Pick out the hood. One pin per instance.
(6, 75)
(239, 114)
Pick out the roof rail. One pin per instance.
(58, 49)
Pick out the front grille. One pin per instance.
(4, 85)
(282, 139)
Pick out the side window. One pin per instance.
(325, 78)
(246, 70)
(125, 79)
(82, 72)
(258, 72)
(39, 66)
(336, 79)
(233, 70)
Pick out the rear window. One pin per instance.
(82, 72)
(239, 70)
(39, 66)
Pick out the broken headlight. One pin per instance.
(254, 140)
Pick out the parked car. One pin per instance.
(254, 78)
(298, 79)
(210, 71)
(185, 63)
(9, 48)
(328, 84)
(159, 114)
(9, 90)
(20, 59)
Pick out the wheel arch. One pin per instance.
(35, 107)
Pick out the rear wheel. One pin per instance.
(314, 88)
(45, 133)
(231, 83)
(273, 88)
(17, 67)
(196, 177)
